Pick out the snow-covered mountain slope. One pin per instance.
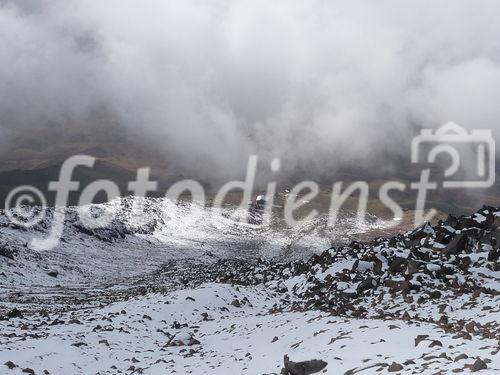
(222, 329)
(136, 244)
(425, 301)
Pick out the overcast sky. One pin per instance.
(317, 83)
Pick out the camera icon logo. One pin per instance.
(451, 139)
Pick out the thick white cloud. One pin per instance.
(318, 83)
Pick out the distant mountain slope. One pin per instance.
(117, 171)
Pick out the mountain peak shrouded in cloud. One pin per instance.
(318, 84)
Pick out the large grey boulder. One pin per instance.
(302, 368)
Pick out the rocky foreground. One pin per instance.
(423, 302)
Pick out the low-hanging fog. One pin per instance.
(320, 84)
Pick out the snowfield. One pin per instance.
(133, 337)
(170, 298)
